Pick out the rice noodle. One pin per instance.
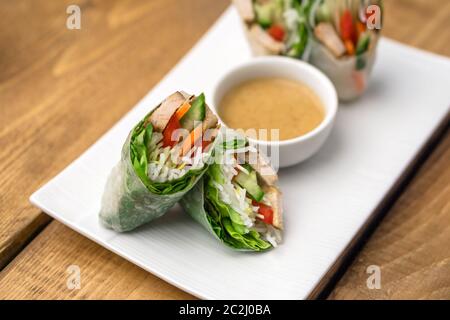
(166, 164)
(236, 197)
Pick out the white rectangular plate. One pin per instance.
(327, 199)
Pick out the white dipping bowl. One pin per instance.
(296, 150)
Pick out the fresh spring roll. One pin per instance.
(238, 200)
(163, 157)
(277, 27)
(344, 42)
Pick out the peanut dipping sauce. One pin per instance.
(272, 103)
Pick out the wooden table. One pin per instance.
(61, 89)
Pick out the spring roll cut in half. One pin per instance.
(345, 38)
(163, 157)
(238, 200)
(276, 27)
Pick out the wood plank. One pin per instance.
(41, 271)
(420, 23)
(64, 92)
(59, 88)
(107, 67)
(411, 246)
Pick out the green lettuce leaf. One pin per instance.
(130, 198)
(140, 138)
(204, 205)
(233, 231)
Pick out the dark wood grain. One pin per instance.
(411, 245)
(41, 271)
(60, 90)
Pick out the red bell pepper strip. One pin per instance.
(276, 32)
(348, 31)
(172, 126)
(265, 211)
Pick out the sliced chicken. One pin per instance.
(210, 120)
(262, 166)
(273, 196)
(245, 9)
(328, 36)
(262, 38)
(160, 118)
(187, 96)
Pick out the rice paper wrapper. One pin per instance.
(349, 74)
(197, 206)
(350, 80)
(127, 203)
(194, 204)
(258, 49)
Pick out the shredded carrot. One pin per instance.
(359, 80)
(350, 47)
(182, 110)
(360, 28)
(190, 140)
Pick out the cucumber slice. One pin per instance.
(250, 183)
(278, 10)
(270, 12)
(264, 14)
(360, 63)
(323, 13)
(361, 48)
(196, 113)
(363, 43)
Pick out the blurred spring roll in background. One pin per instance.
(345, 41)
(277, 27)
(162, 159)
(238, 200)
